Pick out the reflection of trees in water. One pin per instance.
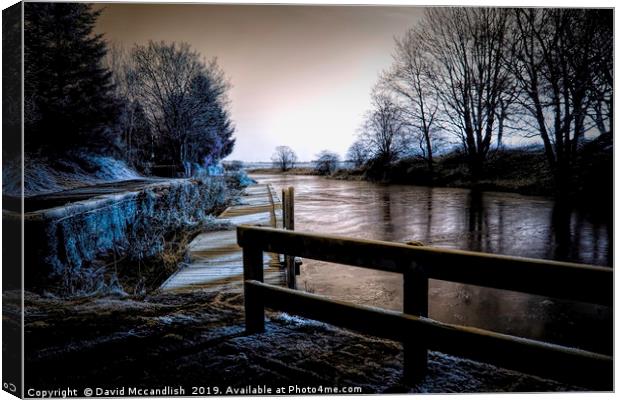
(601, 234)
(485, 223)
(560, 239)
(572, 234)
(455, 218)
(428, 232)
(386, 212)
(477, 221)
(576, 235)
(600, 222)
(408, 215)
(501, 206)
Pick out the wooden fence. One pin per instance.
(288, 223)
(570, 281)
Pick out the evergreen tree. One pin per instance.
(69, 98)
(211, 128)
(226, 130)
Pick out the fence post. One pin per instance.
(288, 222)
(284, 209)
(254, 305)
(291, 211)
(415, 302)
(291, 208)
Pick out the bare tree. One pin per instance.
(164, 74)
(469, 48)
(564, 75)
(602, 63)
(184, 102)
(357, 153)
(327, 162)
(134, 129)
(384, 131)
(284, 158)
(409, 79)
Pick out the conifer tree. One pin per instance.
(69, 99)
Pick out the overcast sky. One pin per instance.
(301, 75)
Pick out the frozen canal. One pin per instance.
(502, 223)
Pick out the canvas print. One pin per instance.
(245, 199)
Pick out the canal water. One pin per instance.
(493, 222)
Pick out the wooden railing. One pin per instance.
(570, 281)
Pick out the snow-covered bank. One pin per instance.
(70, 240)
(43, 176)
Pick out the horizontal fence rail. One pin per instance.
(587, 283)
(506, 351)
(417, 264)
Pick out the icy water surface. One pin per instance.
(501, 223)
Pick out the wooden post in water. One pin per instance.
(291, 209)
(288, 222)
(254, 305)
(291, 192)
(415, 302)
(284, 209)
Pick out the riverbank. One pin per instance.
(517, 170)
(278, 171)
(521, 171)
(449, 171)
(104, 234)
(86, 246)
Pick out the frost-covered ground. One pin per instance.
(47, 176)
(197, 338)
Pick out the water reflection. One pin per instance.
(501, 223)
(477, 222)
(384, 204)
(561, 225)
(579, 235)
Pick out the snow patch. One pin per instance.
(43, 176)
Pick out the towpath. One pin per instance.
(82, 193)
(215, 257)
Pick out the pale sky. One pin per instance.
(301, 75)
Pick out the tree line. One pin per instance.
(155, 104)
(473, 77)
(284, 158)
